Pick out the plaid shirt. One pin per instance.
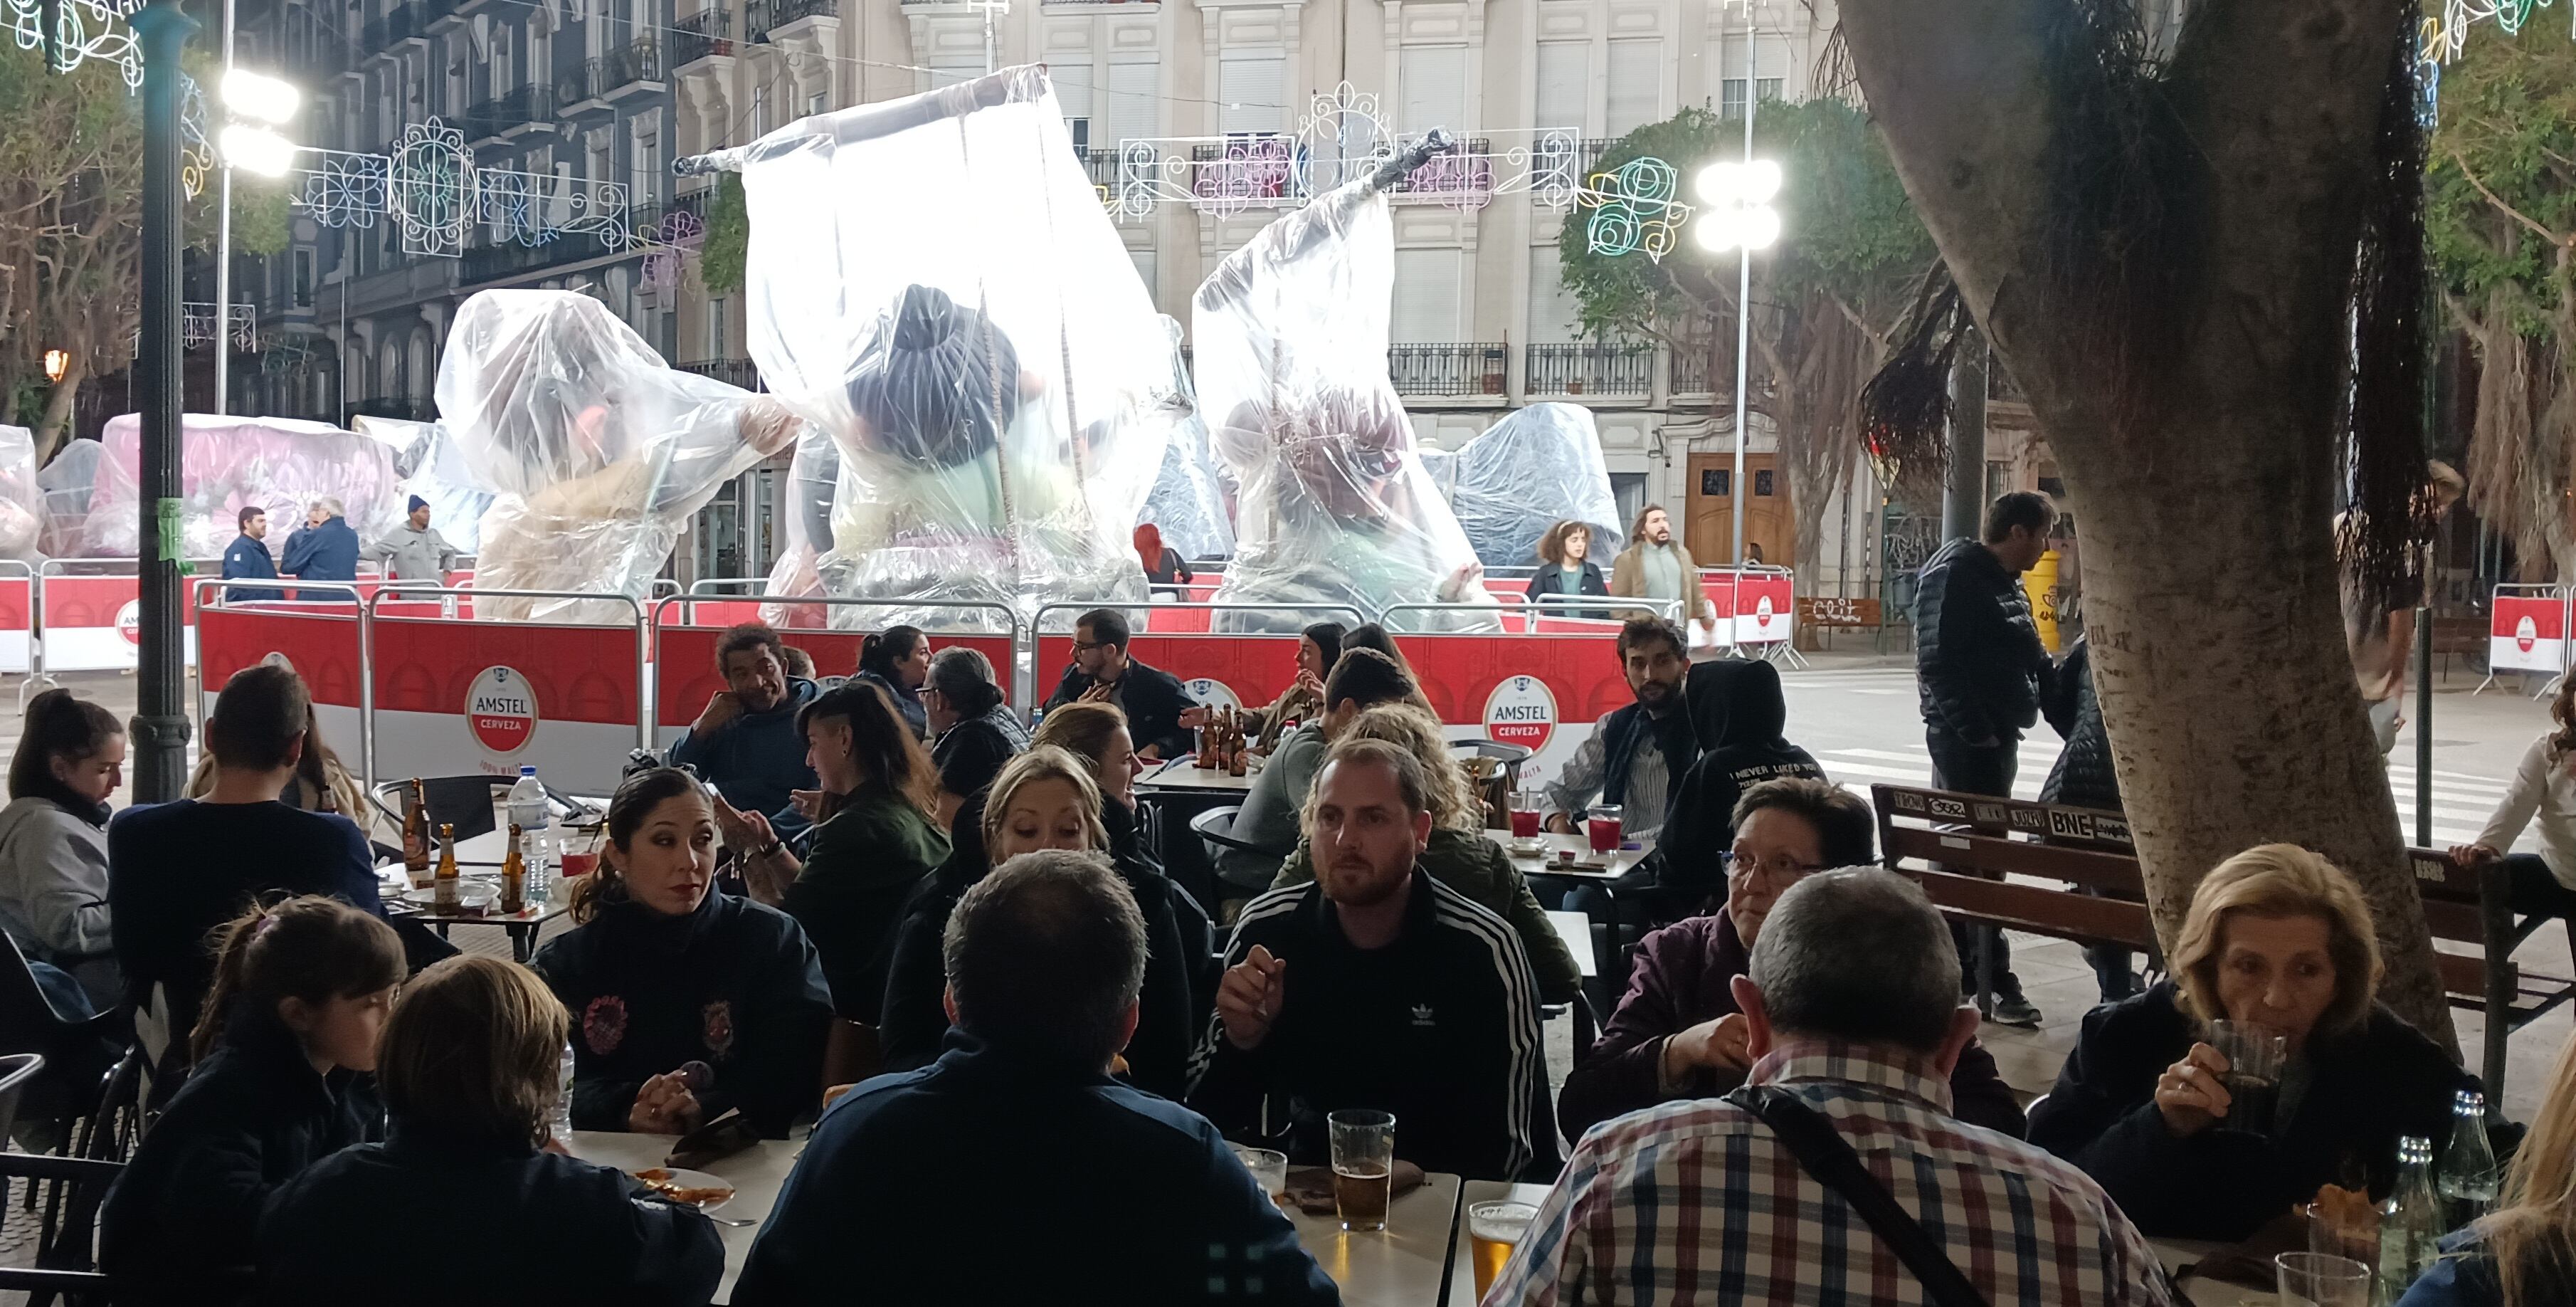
(1698, 1202)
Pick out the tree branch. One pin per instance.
(2471, 176)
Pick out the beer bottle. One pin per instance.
(446, 895)
(514, 876)
(416, 834)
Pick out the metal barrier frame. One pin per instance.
(35, 625)
(2566, 631)
(1028, 696)
(653, 710)
(366, 673)
(1664, 608)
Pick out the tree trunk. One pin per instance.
(2204, 485)
(58, 409)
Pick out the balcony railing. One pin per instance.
(1253, 170)
(732, 372)
(1466, 176)
(770, 15)
(600, 78)
(402, 410)
(400, 23)
(1102, 166)
(695, 204)
(700, 36)
(500, 113)
(1591, 369)
(484, 263)
(1449, 369)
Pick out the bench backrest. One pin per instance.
(1980, 839)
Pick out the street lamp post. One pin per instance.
(255, 105)
(224, 255)
(1739, 218)
(160, 726)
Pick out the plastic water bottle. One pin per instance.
(528, 801)
(2468, 1176)
(563, 1099)
(529, 813)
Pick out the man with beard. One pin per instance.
(1656, 566)
(1375, 986)
(745, 742)
(1634, 754)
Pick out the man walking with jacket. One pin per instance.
(1656, 566)
(413, 551)
(1980, 665)
(324, 549)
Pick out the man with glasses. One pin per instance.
(1677, 1033)
(1103, 673)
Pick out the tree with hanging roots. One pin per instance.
(2199, 251)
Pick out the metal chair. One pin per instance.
(78, 1051)
(1216, 828)
(1508, 756)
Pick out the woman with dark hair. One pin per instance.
(1370, 635)
(897, 660)
(687, 1002)
(282, 1057)
(972, 730)
(873, 841)
(1565, 568)
(53, 842)
(468, 1066)
(1319, 646)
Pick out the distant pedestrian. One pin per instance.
(1979, 662)
(1566, 568)
(2083, 778)
(325, 549)
(414, 551)
(1165, 569)
(1656, 566)
(248, 557)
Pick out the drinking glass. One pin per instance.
(2322, 1280)
(2254, 1054)
(2354, 1235)
(1524, 815)
(1363, 1166)
(1604, 828)
(1269, 1169)
(1494, 1229)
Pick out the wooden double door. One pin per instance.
(1768, 524)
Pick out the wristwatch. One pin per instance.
(769, 850)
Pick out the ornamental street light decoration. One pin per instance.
(257, 106)
(1635, 207)
(1739, 219)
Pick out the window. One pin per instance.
(1636, 85)
(715, 341)
(1767, 89)
(1553, 309)
(1629, 489)
(647, 160)
(455, 54)
(1073, 97)
(1128, 106)
(1562, 103)
(303, 277)
(759, 112)
(1714, 482)
(1427, 297)
(1433, 80)
(1253, 93)
(598, 162)
(1730, 102)
(949, 70)
(1762, 483)
(817, 104)
(505, 73)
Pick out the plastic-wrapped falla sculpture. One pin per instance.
(1333, 505)
(1539, 466)
(66, 485)
(597, 451)
(804, 530)
(933, 283)
(432, 467)
(1188, 504)
(226, 464)
(22, 501)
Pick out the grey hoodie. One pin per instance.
(416, 553)
(53, 882)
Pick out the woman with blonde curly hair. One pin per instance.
(2277, 936)
(1459, 855)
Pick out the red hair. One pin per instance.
(1149, 545)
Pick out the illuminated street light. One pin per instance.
(1739, 213)
(257, 149)
(57, 362)
(261, 97)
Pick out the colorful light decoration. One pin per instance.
(83, 30)
(2444, 36)
(1635, 208)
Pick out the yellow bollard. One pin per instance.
(2040, 583)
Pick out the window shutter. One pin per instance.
(1072, 88)
(1426, 297)
(1434, 87)
(1129, 106)
(1636, 85)
(951, 70)
(1562, 104)
(1553, 308)
(1254, 93)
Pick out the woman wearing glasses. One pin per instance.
(1677, 1032)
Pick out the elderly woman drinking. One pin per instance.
(2193, 1145)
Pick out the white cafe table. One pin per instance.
(756, 1174)
(2200, 1290)
(1400, 1266)
(1540, 860)
(1462, 1280)
(1184, 774)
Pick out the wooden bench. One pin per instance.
(1947, 839)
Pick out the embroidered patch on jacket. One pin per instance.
(719, 1023)
(603, 1024)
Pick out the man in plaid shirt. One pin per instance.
(1853, 1003)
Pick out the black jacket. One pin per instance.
(1153, 700)
(735, 985)
(250, 1117)
(1439, 1028)
(993, 1179)
(2366, 1088)
(858, 873)
(1552, 580)
(2083, 776)
(1699, 828)
(915, 1025)
(1977, 656)
(490, 1221)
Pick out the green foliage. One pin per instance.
(720, 261)
(1848, 231)
(2508, 115)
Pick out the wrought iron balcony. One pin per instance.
(1477, 369)
(526, 106)
(606, 77)
(732, 372)
(1613, 368)
(400, 23)
(701, 36)
(1464, 179)
(771, 15)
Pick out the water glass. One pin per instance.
(1363, 1166)
(2254, 1054)
(2322, 1280)
(1269, 1169)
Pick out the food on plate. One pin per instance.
(660, 1182)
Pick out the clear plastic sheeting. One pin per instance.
(1188, 501)
(66, 484)
(226, 464)
(597, 451)
(1539, 466)
(22, 501)
(985, 360)
(1333, 503)
(804, 524)
(432, 467)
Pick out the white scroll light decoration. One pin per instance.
(430, 187)
(83, 30)
(1342, 137)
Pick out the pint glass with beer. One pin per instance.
(1363, 1166)
(1493, 1230)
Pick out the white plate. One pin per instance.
(1529, 845)
(473, 894)
(687, 1179)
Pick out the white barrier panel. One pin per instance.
(17, 616)
(92, 621)
(2527, 630)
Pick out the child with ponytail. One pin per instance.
(284, 1057)
(53, 842)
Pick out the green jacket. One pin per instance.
(1479, 868)
(860, 870)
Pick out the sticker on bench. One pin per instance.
(1955, 842)
(2029, 819)
(2432, 869)
(1949, 808)
(1906, 800)
(1987, 814)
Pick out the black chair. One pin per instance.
(43, 1284)
(1216, 828)
(77, 1051)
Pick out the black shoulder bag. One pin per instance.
(1812, 1140)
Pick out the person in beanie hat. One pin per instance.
(413, 551)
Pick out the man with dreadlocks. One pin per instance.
(1979, 661)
